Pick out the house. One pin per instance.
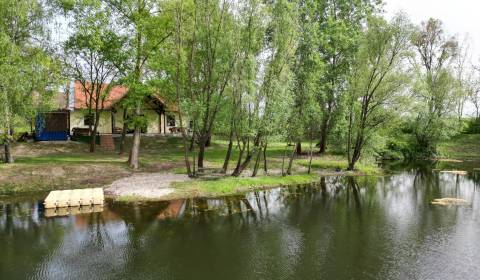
(72, 115)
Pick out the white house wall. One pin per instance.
(156, 123)
(153, 121)
(105, 124)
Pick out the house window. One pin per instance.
(170, 120)
(88, 119)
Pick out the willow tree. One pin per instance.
(307, 69)
(474, 96)
(195, 69)
(147, 26)
(241, 89)
(340, 24)
(29, 73)
(213, 53)
(205, 51)
(377, 82)
(434, 89)
(463, 72)
(271, 101)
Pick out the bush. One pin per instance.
(472, 126)
(396, 148)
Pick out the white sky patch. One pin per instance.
(460, 17)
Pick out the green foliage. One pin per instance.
(307, 70)
(376, 94)
(28, 72)
(435, 89)
(471, 126)
(93, 52)
(461, 147)
(340, 26)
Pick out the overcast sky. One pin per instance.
(460, 17)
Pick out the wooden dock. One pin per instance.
(74, 198)
(67, 211)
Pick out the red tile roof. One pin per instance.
(81, 97)
(116, 94)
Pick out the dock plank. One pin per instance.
(74, 198)
(51, 200)
(67, 211)
(98, 196)
(63, 199)
(86, 197)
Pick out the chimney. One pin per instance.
(70, 96)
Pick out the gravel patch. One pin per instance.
(146, 185)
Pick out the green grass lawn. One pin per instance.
(233, 185)
(46, 166)
(463, 146)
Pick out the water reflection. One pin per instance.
(338, 228)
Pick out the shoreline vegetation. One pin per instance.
(46, 166)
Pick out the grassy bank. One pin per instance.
(461, 147)
(232, 185)
(65, 165)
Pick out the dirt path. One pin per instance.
(145, 185)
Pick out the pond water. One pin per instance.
(339, 228)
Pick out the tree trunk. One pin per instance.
(353, 160)
(93, 137)
(185, 141)
(185, 148)
(299, 148)
(349, 137)
(283, 162)
(265, 168)
(290, 162)
(6, 143)
(201, 152)
(248, 158)
(311, 156)
(134, 153)
(194, 167)
(192, 143)
(257, 163)
(208, 143)
(8, 152)
(229, 153)
(356, 154)
(323, 137)
(351, 165)
(239, 161)
(124, 132)
(244, 165)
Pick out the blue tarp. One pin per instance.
(42, 135)
(51, 136)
